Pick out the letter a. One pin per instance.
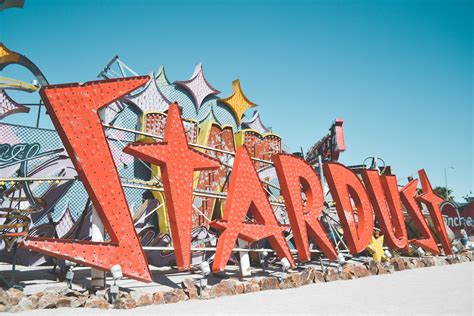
(294, 172)
(246, 193)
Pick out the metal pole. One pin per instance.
(446, 183)
(39, 115)
(97, 234)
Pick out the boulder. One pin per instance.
(48, 300)
(96, 302)
(174, 296)
(353, 271)
(77, 301)
(308, 275)
(223, 288)
(190, 288)
(268, 283)
(158, 298)
(441, 262)
(251, 287)
(372, 267)
(73, 293)
(318, 276)
(331, 275)
(417, 263)
(292, 280)
(428, 261)
(126, 302)
(382, 269)
(64, 301)
(24, 304)
(141, 298)
(467, 254)
(3, 297)
(398, 264)
(347, 273)
(14, 296)
(4, 308)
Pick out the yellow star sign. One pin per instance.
(238, 102)
(375, 248)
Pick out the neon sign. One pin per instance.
(84, 139)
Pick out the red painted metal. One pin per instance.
(330, 146)
(246, 194)
(385, 198)
(295, 173)
(73, 109)
(433, 202)
(408, 194)
(177, 162)
(345, 186)
(214, 180)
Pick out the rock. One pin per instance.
(47, 300)
(292, 280)
(268, 283)
(4, 308)
(384, 269)
(417, 263)
(441, 262)
(73, 293)
(318, 276)
(96, 302)
(251, 287)
(428, 261)
(78, 301)
(3, 297)
(14, 296)
(331, 275)
(453, 259)
(361, 271)
(35, 297)
(467, 254)
(347, 273)
(372, 267)
(398, 264)
(158, 298)
(175, 296)
(64, 301)
(24, 304)
(308, 275)
(125, 303)
(101, 294)
(223, 288)
(56, 290)
(190, 288)
(141, 298)
(353, 271)
(239, 288)
(188, 284)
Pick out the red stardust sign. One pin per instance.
(74, 111)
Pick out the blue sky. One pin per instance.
(398, 72)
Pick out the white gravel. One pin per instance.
(428, 291)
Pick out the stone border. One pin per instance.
(14, 300)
